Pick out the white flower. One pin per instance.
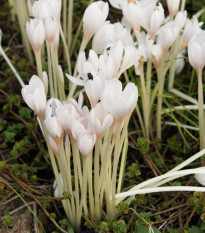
(51, 28)
(167, 36)
(93, 18)
(54, 129)
(131, 13)
(173, 7)
(117, 3)
(196, 52)
(86, 143)
(43, 9)
(117, 102)
(34, 95)
(137, 13)
(67, 115)
(53, 145)
(108, 35)
(78, 129)
(36, 33)
(192, 28)
(200, 177)
(180, 19)
(151, 18)
(99, 119)
(179, 63)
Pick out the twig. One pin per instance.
(192, 213)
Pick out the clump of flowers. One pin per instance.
(90, 144)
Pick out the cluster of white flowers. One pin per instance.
(110, 104)
(102, 128)
(45, 24)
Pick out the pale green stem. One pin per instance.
(96, 180)
(66, 49)
(90, 185)
(183, 3)
(105, 156)
(84, 188)
(159, 104)
(182, 108)
(201, 112)
(183, 96)
(54, 72)
(65, 17)
(154, 94)
(140, 120)
(56, 173)
(115, 165)
(148, 90)
(61, 89)
(50, 76)
(76, 37)
(11, 66)
(39, 64)
(123, 164)
(65, 173)
(162, 189)
(22, 15)
(159, 180)
(77, 201)
(70, 22)
(182, 125)
(144, 101)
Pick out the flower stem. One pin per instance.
(201, 112)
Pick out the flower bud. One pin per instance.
(86, 143)
(94, 17)
(196, 52)
(173, 7)
(53, 145)
(36, 33)
(34, 95)
(60, 75)
(45, 81)
(51, 28)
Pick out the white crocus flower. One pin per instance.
(86, 143)
(180, 19)
(108, 35)
(173, 7)
(200, 177)
(51, 28)
(67, 115)
(151, 18)
(99, 120)
(53, 145)
(117, 102)
(196, 52)
(131, 13)
(36, 33)
(43, 9)
(34, 95)
(93, 88)
(180, 62)
(54, 129)
(167, 36)
(192, 28)
(93, 18)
